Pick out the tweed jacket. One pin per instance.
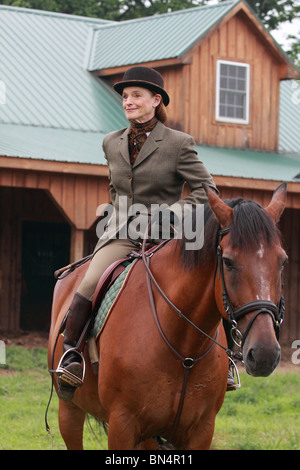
(165, 162)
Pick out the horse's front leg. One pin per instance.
(71, 423)
(201, 438)
(122, 431)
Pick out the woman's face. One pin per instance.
(139, 103)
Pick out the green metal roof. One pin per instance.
(250, 164)
(153, 38)
(71, 146)
(289, 116)
(44, 143)
(56, 110)
(42, 65)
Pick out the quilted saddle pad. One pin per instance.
(110, 298)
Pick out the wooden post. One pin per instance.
(77, 244)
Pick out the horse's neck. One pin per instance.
(192, 291)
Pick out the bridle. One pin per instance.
(267, 307)
(233, 315)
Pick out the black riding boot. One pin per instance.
(70, 370)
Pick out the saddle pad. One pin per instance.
(110, 298)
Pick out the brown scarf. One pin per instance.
(137, 137)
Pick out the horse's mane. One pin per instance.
(251, 225)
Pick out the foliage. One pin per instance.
(271, 12)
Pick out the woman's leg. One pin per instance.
(103, 258)
(70, 371)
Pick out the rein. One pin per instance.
(187, 362)
(263, 307)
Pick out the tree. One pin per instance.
(117, 10)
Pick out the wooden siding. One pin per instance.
(17, 205)
(191, 86)
(290, 229)
(192, 89)
(76, 192)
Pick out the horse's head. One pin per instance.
(251, 260)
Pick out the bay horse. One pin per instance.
(166, 375)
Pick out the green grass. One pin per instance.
(263, 415)
(24, 392)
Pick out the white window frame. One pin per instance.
(228, 119)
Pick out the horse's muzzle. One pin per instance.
(261, 359)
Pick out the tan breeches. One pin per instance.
(104, 257)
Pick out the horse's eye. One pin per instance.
(228, 264)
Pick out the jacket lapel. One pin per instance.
(123, 146)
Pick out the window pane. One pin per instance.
(223, 82)
(230, 98)
(241, 85)
(239, 113)
(232, 91)
(232, 84)
(232, 70)
(230, 112)
(239, 99)
(241, 72)
(223, 111)
(224, 69)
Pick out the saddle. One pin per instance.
(109, 276)
(107, 279)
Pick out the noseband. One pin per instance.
(276, 312)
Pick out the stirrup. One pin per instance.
(238, 384)
(68, 377)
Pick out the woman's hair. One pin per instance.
(160, 111)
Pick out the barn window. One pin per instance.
(232, 93)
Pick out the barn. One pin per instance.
(231, 87)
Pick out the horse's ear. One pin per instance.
(222, 211)
(277, 204)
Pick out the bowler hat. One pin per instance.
(144, 77)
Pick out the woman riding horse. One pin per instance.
(148, 164)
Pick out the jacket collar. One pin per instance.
(147, 149)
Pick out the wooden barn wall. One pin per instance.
(16, 205)
(76, 195)
(290, 229)
(192, 90)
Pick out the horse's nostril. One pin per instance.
(250, 356)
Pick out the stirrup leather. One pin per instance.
(66, 375)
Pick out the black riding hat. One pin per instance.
(144, 77)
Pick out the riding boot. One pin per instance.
(231, 383)
(70, 370)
